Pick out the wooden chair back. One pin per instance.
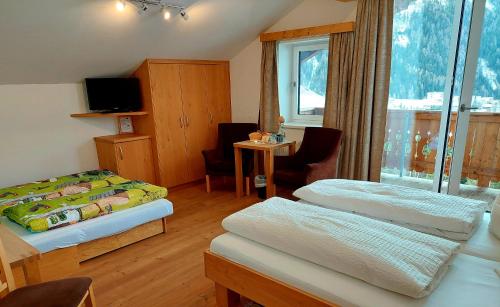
(7, 283)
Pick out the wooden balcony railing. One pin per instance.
(412, 136)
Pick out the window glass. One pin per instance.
(487, 87)
(421, 47)
(313, 69)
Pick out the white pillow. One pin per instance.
(495, 218)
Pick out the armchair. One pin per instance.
(220, 161)
(316, 158)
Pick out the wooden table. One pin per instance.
(22, 257)
(268, 150)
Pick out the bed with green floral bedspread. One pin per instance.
(66, 200)
(57, 187)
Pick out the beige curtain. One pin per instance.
(269, 103)
(363, 118)
(339, 75)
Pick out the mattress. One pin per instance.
(470, 281)
(482, 243)
(92, 229)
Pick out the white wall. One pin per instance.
(38, 138)
(245, 67)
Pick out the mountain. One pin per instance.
(421, 44)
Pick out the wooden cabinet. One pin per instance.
(196, 119)
(167, 124)
(185, 101)
(129, 156)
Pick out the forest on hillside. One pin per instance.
(420, 50)
(421, 45)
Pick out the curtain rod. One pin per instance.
(308, 32)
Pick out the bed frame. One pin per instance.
(233, 280)
(64, 262)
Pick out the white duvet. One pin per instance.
(440, 214)
(494, 226)
(382, 254)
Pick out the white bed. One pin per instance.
(470, 281)
(93, 229)
(482, 243)
(443, 215)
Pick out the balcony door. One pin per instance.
(444, 66)
(475, 160)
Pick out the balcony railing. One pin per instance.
(411, 142)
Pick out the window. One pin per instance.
(433, 49)
(303, 65)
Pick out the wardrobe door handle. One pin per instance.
(120, 149)
(180, 121)
(211, 117)
(187, 121)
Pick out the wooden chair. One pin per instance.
(65, 292)
(220, 161)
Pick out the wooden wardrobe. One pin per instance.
(185, 101)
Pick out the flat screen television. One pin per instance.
(113, 94)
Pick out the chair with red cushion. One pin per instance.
(220, 161)
(316, 158)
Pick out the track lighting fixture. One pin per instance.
(184, 14)
(144, 6)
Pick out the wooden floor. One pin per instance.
(167, 270)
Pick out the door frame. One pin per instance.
(463, 116)
(444, 126)
(465, 99)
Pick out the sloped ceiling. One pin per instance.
(62, 41)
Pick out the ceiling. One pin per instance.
(63, 41)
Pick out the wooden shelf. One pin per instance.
(121, 138)
(101, 115)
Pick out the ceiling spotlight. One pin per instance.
(120, 5)
(184, 14)
(166, 14)
(143, 8)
